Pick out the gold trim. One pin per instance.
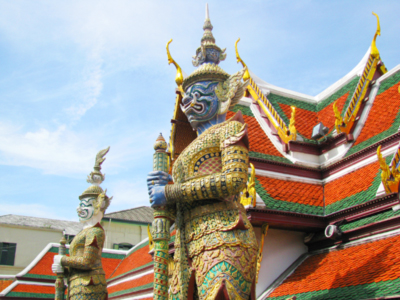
(292, 127)
(264, 231)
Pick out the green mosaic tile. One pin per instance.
(369, 220)
(269, 157)
(29, 295)
(272, 203)
(362, 291)
(39, 276)
(138, 288)
(360, 197)
(389, 82)
(244, 109)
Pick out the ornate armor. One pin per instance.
(86, 277)
(215, 242)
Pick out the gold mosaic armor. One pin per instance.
(86, 277)
(215, 242)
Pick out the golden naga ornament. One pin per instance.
(390, 174)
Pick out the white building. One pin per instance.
(23, 238)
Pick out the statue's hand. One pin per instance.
(156, 182)
(157, 196)
(56, 267)
(157, 178)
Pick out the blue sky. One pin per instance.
(78, 76)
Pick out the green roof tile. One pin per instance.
(363, 291)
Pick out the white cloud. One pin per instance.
(128, 194)
(55, 152)
(32, 210)
(91, 86)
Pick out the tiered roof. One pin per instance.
(360, 270)
(37, 280)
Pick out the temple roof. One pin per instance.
(36, 281)
(142, 214)
(359, 270)
(70, 227)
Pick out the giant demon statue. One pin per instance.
(86, 277)
(215, 246)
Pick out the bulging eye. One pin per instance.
(196, 94)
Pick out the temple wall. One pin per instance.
(30, 242)
(281, 249)
(119, 232)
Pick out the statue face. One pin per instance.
(86, 209)
(200, 103)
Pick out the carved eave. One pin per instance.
(285, 220)
(370, 208)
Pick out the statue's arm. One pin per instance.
(230, 181)
(93, 246)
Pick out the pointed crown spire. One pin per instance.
(208, 52)
(208, 37)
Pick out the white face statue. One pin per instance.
(85, 209)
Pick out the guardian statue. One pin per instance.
(83, 268)
(215, 247)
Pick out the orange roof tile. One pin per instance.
(136, 259)
(43, 266)
(326, 115)
(5, 283)
(360, 180)
(363, 264)
(382, 115)
(31, 288)
(259, 141)
(291, 191)
(305, 120)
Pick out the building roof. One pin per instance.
(70, 227)
(360, 271)
(143, 214)
(36, 281)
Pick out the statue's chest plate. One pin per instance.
(78, 244)
(201, 157)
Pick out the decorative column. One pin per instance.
(160, 228)
(60, 287)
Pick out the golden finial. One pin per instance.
(246, 74)
(292, 127)
(374, 50)
(339, 119)
(385, 175)
(179, 75)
